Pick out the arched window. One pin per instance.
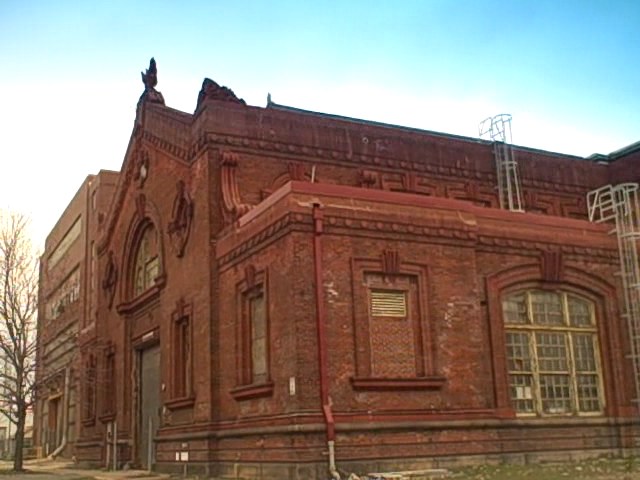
(553, 357)
(146, 261)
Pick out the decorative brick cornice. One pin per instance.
(435, 234)
(380, 159)
(264, 237)
(333, 224)
(167, 147)
(325, 154)
(378, 171)
(534, 247)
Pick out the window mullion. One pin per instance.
(575, 403)
(533, 352)
(573, 392)
(535, 370)
(598, 365)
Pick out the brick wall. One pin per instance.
(425, 199)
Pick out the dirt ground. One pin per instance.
(600, 469)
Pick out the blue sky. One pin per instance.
(568, 72)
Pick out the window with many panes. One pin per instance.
(552, 353)
(147, 261)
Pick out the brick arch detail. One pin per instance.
(586, 284)
(146, 214)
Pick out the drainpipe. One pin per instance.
(65, 415)
(322, 339)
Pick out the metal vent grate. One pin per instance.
(388, 303)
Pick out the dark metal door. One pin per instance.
(54, 431)
(149, 404)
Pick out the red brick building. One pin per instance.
(68, 302)
(282, 291)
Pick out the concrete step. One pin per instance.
(428, 474)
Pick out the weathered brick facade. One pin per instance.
(67, 303)
(320, 278)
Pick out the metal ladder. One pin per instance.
(620, 203)
(498, 129)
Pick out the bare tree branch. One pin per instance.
(18, 308)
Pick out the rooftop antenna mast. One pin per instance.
(620, 204)
(498, 130)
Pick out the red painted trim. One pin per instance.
(415, 200)
(321, 323)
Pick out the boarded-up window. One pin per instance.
(258, 340)
(109, 388)
(393, 325)
(181, 357)
(89, 404)
(253, 340)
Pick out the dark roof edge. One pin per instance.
(621, 152)
(374, 123)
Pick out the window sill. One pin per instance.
(419, 383)
(89, 422)
(246, 392)
(180, 402)
(144, 298)
(107, 417)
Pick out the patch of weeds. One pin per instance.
(8, 471)
(597, 469)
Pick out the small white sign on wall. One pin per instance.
(182, 456)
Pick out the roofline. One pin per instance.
(108, 171)
(85, 183)
(464, 138)
(621, 152)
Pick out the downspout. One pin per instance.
(65, 416)
(322, 339)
